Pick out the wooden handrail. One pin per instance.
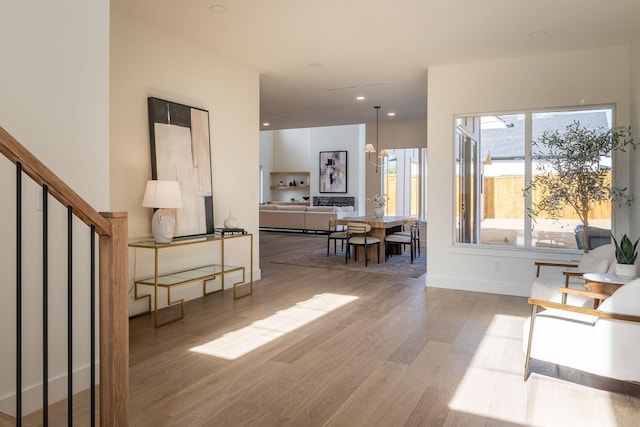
(42, 175)
(113, 276)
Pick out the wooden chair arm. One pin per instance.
(587, 311)
(573, 273)
(587, 294)
(539, 264)
(568, 274)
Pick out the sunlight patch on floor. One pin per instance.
(242, 341)
(493, 386)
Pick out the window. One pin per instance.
(404, 173)
(493, 165)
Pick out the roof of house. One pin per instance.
(507, 142)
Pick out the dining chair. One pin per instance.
(359, 236)
(414, 234)
(336, 234)
(400, 238)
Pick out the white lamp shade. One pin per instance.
(383, 153)
(369, 148)
(162, 194)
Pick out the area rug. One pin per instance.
(399, 265)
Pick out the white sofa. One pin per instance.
(303, 218)
(589, 343)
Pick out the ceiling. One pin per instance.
(316, 57)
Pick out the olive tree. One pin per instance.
(570, 173)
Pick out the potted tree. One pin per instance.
(626, 255)
(570, 172)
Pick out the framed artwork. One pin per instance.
(333, 171)
(181, 151)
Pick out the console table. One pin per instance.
(202, 273)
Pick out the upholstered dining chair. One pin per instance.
(414, 234)
(359, 236)
(399, 238)
(336, 234)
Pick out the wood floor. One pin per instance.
(321, 347)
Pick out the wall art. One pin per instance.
(333, 171)
(181, 151)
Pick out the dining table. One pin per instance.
(380, 227)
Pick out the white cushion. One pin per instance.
(607, 252)
(320, 209)
(593, 264)
(357, 240)
(625, 300)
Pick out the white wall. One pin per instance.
(391, 134)
(146, 62)
(266, 163)
(567, 79)
(293, 148)
(55, 101)
(298, 150)
(634, 228)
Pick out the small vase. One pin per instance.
(378, 212)
(626, 271)
(231, 222)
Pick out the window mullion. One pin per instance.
(528, 174)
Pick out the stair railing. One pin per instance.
(111, 228)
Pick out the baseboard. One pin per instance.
(475, 285)
(32, 396)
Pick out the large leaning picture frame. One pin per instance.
(181, 151)
(333, 171)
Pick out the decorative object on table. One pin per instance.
(333, 171)
(180, 151)
(378, 204)
(165, 196)
(306, 198)
(231, 222)
(222, 232)
(293, 199)
(626, 255)
(369, 148)
(301, 182)
(569, 172)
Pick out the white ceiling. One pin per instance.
(315, 57)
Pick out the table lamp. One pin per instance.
(165, 196)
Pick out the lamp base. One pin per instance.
(163, 225)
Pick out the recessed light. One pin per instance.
(391, 114)
(359, 98)
(538, 33)
(218, 8)
(266, 124)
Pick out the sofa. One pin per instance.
(301, 218)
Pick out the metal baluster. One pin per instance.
(45, 306)
(93, 325)
(69, 316)
(18, 294)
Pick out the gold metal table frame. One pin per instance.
(204, 273)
